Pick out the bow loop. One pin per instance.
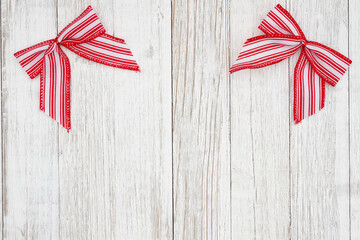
(279, 21)
(327, 63)
(84, 28)
(31, 58)
(266, 50)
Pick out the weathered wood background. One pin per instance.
(181, 150)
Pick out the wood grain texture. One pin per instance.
(30, 140)
(354, 90)
(319, 151)
(115, 165)
(1, 131)
(201, 134)
(259, 136)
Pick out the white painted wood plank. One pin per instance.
(201, 130)
(259, 135)
(354, 90)
(30, 156)
(115, 165)
(320, 144)
(1, 129)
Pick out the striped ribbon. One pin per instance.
(316, 65)
(84, 36)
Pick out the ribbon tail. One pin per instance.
(107, 50)
(309, 90)
(55, 87)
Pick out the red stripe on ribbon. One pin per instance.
(84, 36)
(316, 65)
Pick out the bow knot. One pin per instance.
(84, 36)
(317, 63)
(56, 40)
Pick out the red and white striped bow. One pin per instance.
(317, 63)
(84, 36)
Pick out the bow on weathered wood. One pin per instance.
(317, 63)
(84, 36)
